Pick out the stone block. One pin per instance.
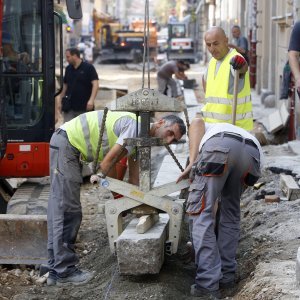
(139, 254)
(190, 97)
(289, 187)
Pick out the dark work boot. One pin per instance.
(227, 285)
(204, 294)
(77, 278)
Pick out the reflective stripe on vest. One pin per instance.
(83, 133)
(225, 118)
(227, 101)
(219, 102)
(86, 132)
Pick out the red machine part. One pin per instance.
(19, 158)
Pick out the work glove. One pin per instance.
(237, 62)
(117, 196)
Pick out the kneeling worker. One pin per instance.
(74, 141)
(229, 161)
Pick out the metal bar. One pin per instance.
(235, 94)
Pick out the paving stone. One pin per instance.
(142, 253)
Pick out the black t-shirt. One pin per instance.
(295, 38)
(79, 82)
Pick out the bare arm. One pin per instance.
(196, 133)
(60, 96)
(108, 159)
(294, 63)
(90, 104)
(180, 75)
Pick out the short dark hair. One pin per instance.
(173, 119)
(236, 26)
(185, 63)
(74, 51)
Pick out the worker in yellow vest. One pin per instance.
(76, 141)
(218, 83)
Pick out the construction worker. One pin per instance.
(229, 161)
(218, 82)
(165, 73)
(73, 142)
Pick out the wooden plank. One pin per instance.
(146, 222)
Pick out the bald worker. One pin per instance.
(218, 82)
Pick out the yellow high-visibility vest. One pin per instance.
(83, 133)
(218, 107)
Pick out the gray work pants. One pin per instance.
(64, 208)
(164, 82)
(225, 167)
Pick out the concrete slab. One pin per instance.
(275, 122)
(289, 186)
(190, 97)
(142, 253)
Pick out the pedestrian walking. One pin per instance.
(224, 160)
(218, 82)
(80, 86)
(76, 141)
(239, 43)
(165, 73)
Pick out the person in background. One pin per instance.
(218, 82)
(76, 141)
(240, 43)
(81, 84)
(224, 161)
(13, 61)
(165, 73)
(294, 51)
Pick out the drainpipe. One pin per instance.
(253, 41)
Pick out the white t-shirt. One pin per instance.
(125, 127)
(212, 129)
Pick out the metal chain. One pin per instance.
(187, 120)
(100, 140)
(146, 45)
(174, 157)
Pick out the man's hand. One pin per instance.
(185, 173)
(90, 105)
(238, 62)
(297, 86)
